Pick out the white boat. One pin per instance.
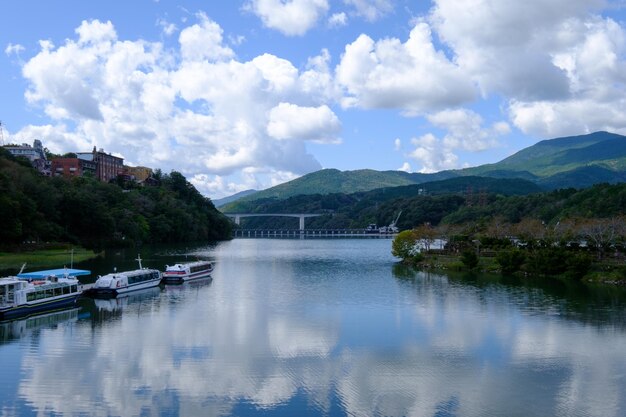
(179, 273)
(41, 291)
(112, 285)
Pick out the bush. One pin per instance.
(510, 260)
(469, 259)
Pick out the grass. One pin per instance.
(53, 258)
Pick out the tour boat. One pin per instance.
(41, 291)
(111, 285)
(180, 273)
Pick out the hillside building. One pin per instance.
(35, 154)
(72, 167)
(107, 166)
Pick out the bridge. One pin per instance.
(320, 233)
(301, 216)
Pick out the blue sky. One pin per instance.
(252, 93)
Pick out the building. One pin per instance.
(35, 154)
(107, 165)
(139, 174)
(72, 167)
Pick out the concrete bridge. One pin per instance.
(301, 216)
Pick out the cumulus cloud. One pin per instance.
(433, 157)
(157, 106)
(13, 49)
(406, 167)
(465, 131)
(167, 28)
(371, 10)
(289, 121)
(290, 17)
(203, 41)
(412, 76)
(338, 20)
(558, 64)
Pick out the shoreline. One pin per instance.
(38, 258)
(602, 273)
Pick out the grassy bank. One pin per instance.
(606, 271)
(43, 258)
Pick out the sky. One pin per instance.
(247, 94)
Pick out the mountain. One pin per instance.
(557, 156)
(327, 181)
(223, 201)
(574, 161)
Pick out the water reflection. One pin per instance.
(16, 329)
(330, 330)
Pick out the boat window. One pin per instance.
(66, 289)
(40, 294)
(30, 296)
(74, 288)
(58, 291)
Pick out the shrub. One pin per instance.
(469, 259)
(510, 260)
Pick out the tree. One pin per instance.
(404, 246)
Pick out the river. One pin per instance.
(320, 328)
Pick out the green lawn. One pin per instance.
(44, 258)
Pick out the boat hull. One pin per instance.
(99, 292)
(179, 279)
(27, 309)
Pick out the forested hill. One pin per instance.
(428, 202)
(328, 181)
(95, 214)
(576, 161)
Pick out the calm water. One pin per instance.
(320, 328)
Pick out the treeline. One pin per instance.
(477, 201)
(574, 247)
(94, 214)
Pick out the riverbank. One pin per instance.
(606, 272)
(50, 257)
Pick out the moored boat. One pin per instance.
(112, 285)
(179, 273)
(37, 292)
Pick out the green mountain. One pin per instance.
(429, 201)
(223, 201)
(557, 156)
(327, 181)
(575, 161)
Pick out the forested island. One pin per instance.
(94, 214)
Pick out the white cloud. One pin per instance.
(141, 100)
(595, 65)
(167, 28)
(397, 144)
(338, 20)
(559, 64)
(13, 49)
(465, 131)
(96, 32)
(203, 41)
(290, 17)
(406, 167)
(433, 157)
(288, 121)
(371, 10)
(412, 76)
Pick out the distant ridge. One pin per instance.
(223, 201)
(573, 161)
